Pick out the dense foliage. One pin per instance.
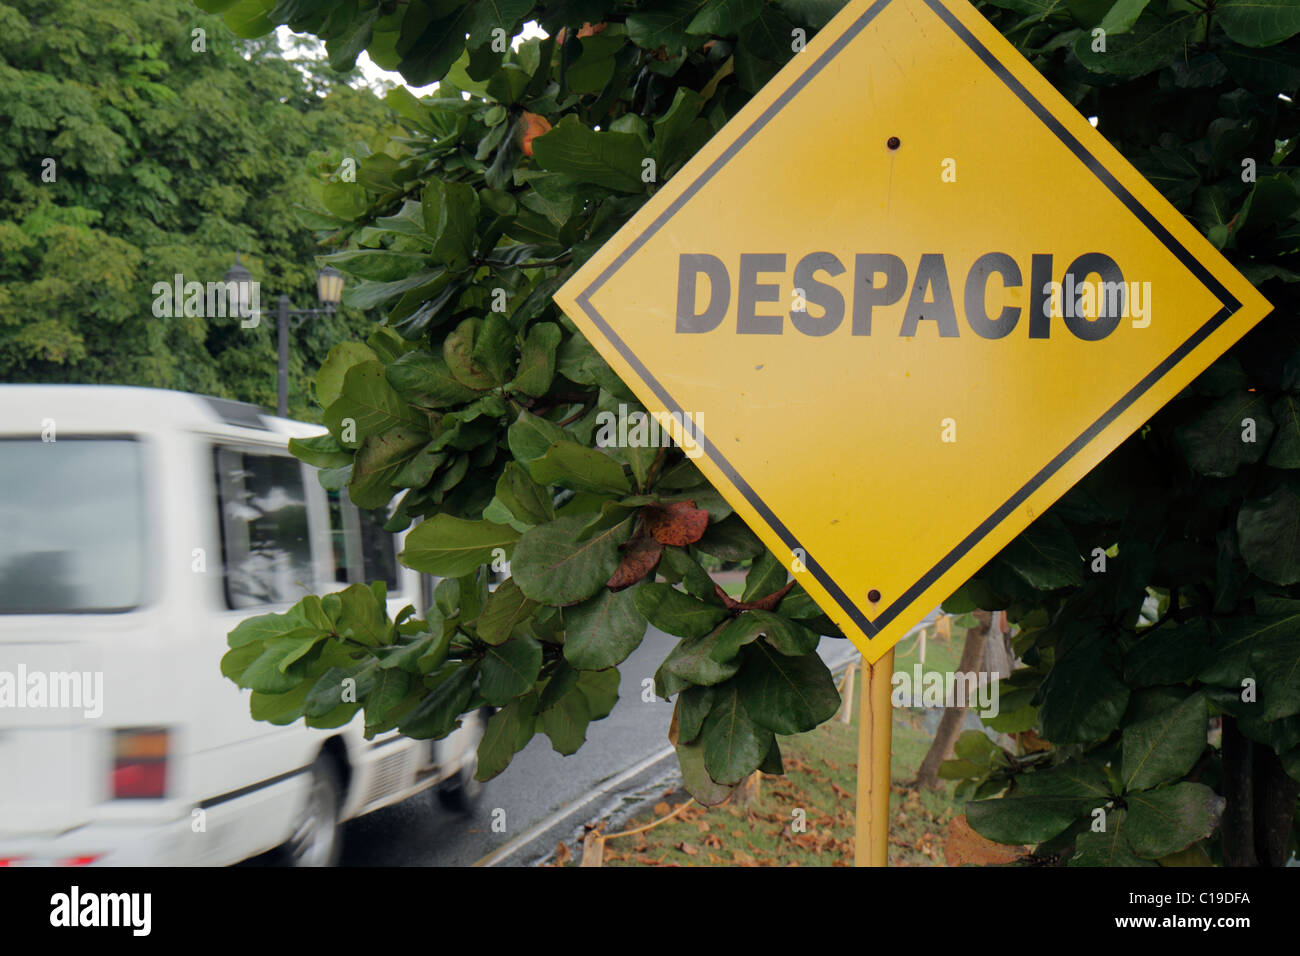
(1162, 591)
(133, 149)
(478, 402)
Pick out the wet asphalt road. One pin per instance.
(419, 832)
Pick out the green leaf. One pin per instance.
(510, 669)
(329, 380)
(787, 637)
(1108, 848)
(600, 688)
(506, 608)
(1122, 15)
(730, 540)
(692, 662)
(603, 630)
(508, 730)
(322, 451)
(1083, 696)
(378, 463)
(279, 709)
(366, 294)
(566, 720)
(1165, 747)
(424, 379)
(450, 215)
(1072, 779)
(724, 18)
(575, 466)
(537, 362)
(734, 744)
(494, 348)
(530, 436)
(605, 159)
(438, 714)
(677, 565)
(1268, 534)
(1285, 450)
(389, 690)
(265, 627)
(267, 674)
(788, 695)
(1275, 656)
(695, 778)
(486, 16)
(369, 403)
(449, 546)
(1214, 442)
(526, 500)
(363, 617)
(693, 705)
(1021, 820)
(553, 567)
(1151, 45)
(766, 575)
(1161, 822)
(676, 613)
(460, 354)
(380, 265)
(661, 23)
(1258, 23)
(1045, 555)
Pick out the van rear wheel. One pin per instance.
(460, 793)
(316, 836)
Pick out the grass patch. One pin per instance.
(759, 829)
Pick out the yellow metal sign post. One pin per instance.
(875, 732)
(905, 299)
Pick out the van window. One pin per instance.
(378, 555)
(362, 550)
(265, 543)
(72, 525)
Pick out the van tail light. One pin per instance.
(140, 764)
(11, 861)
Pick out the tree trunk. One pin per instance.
(1275, 798)
(1238, 789)
(972, 658)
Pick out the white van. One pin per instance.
(137, 528)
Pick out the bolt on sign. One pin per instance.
(911, 296)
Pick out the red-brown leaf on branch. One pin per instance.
(964, 846)
(640, 555)
(677, 524)
(531, 126)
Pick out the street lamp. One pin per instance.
(329, 290)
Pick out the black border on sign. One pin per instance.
(1229, 306)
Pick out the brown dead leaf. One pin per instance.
(678, 524)
(662, 809)
(640, 555)
(531, 126)
(964, 846)
(1031, 742)
(562, 854)
(690, 849)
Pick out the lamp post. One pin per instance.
(329, 290)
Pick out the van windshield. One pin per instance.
(72, 525)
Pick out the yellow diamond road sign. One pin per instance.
(909, 296)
